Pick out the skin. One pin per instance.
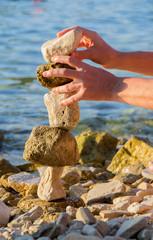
(97, 84)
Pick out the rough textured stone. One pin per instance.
(135, 151)
(90, 231)
(28, 202)
(4, 214)
(105, 190)
(65, 117)
(78, 236)
(71, 177)
(71, 212)
(24, 183)
(138, 208)
(50, 82)
(147, 173)
(85, 215)
(102, 227)
(96, 146)
(135, 169)
(64, 219)
(7, 167)
(50, 187)
(130, 227)
(76, 191)
(61, 46)
(51, 147)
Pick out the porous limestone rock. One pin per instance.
(135, 151)
(50, 82)
(61, 46)
(51, 147)
(4, 214)
(105, 190)
(24, 183)
(96, 146)
(50, 187)
(65, 117)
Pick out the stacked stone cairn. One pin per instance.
(55, 146)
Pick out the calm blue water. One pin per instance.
(26, 25)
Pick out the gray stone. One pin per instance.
(61, 46)
(76, 191)
(51, 147)
(130, 227)
(146, 234)
(105, 190)
(24, 237)
(63, 218)
(77, 236)
(65, 117)
(4, 214)
(90, 231)
(85, 215)
(102, 227)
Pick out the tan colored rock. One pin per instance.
(61, 46)
(144, 185)
(122, 205)
(85, 215)
(113, 213)
(4, 214)
(65, 117)
(147, 173)
(148, 200)
(134, 151)
(130, 199)
(28, 202)
(138, 208)
(24, 183)
(96, 146)
(51, 147)
(50, 187)
(135, 169)
(105, 190)
(143, 193)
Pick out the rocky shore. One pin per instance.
(108, 194)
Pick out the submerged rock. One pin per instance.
(96, 146)
(50, 82)
(51, 147)
(135, 151)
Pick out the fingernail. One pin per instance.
(62, 103)
(54, 59)
(45, 74)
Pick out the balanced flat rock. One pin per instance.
(65, 117)
(51, 147)
(61, 46)
(50, 82)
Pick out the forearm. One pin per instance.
(133, 91)
(138, 62)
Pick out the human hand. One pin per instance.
(89, 83)
(97, 49)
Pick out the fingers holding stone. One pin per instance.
(73, 62)
(74, 98)
(67, 88)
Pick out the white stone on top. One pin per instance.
(61, 46)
